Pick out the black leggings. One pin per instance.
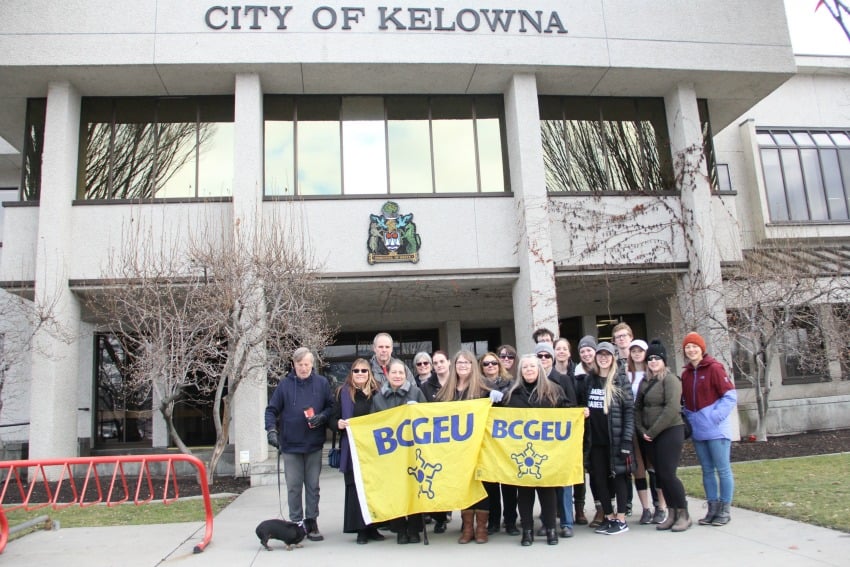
(665, 451)
(525, 496)
(600, 471)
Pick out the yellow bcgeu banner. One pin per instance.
(533, 447)
(418, 458)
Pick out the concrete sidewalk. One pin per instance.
(750, 539)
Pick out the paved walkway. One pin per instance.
(750, 539)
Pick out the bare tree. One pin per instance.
(214, 311)
(271, 303)
(157, 308)
(20, 320)
(777, 298)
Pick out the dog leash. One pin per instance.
(279, 493)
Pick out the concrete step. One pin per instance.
(265, 473)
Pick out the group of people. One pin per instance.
(634, 409)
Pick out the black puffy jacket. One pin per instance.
(621, 422)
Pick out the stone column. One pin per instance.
(251, 398)
(534, 296)
(55, 353)
(700, 291)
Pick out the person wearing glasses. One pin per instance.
(532, 389)
(353, 399)
(465, 383)
(496, 378)
(543, 335)
(423, 368)
(430, 388)
(610, 428)
(546, 355)
(636, 371)
(623, 337)
(507, 354)
(398, 391)
(658, 421)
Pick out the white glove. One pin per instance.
(496, 396)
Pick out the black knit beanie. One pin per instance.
(656, 348)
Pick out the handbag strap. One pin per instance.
(333, 439)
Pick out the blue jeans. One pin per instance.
(565, 506)
(714, 458)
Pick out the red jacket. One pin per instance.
(705, 384)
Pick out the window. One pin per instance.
(144, 148)
(605, 144)
(806, 174)
(605, 325)
(33, 148)
(803, 352)
(122, 412)
(367, 145)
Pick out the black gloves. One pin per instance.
(317, 420)
(272, 437)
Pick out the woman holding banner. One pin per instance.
(353, 399)
(496, 377)
(609, 427)
(466, 383)
(398, 391)
(531, 389)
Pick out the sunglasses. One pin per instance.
(423, 363)
(507, 356)
(490, 363)
(359, 370)
(544, 355)
(653, 357)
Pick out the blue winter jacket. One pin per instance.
(285, 412)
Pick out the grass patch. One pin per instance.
(807, 489)
(185, 510)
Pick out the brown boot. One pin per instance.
(597, 519)
(481, 519)
(668, 521)
(467, 526)
(580, 519)
(683, 520)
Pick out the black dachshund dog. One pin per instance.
(290, 533)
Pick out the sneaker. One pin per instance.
(617, 527)
(439, 527)
(566, 531)
(541, 531)
(646, 516)
(659, 516)
(603, 526)
(629, 509)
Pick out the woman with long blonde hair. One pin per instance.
(465, 383)
(610, 427)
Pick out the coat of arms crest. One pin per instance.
(392, 236)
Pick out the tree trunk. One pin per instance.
(167, 411)
(221, 439)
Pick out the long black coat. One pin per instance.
(621, 423)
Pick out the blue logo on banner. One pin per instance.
(424, 474)
(528, 462)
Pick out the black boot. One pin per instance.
(551, 536)
(713, 509)
(313, 533)
(722, 517)
(362, 537)
(527, 537)
(511, 529)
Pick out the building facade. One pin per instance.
(463, 174)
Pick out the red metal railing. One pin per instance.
(64, 491)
